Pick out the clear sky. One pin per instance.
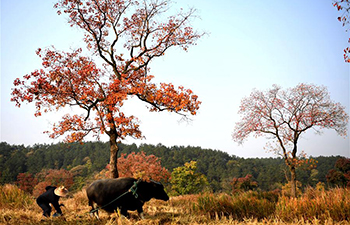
(251, 44)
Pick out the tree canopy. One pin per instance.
(285, 115)
(127, 36)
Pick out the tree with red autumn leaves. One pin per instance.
(243, 183)
(140, 166)
(340, 175)
(127, 35)
(285, 115)
(26, 182)
(344, 6)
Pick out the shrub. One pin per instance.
(140, 166)
(40, 188)
(26, 182)
(54, 178)
(185, 180)
(243, 183)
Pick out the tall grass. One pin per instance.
(241, 206)
(312, 207)
(322, 205)
(13, 197)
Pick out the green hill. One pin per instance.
(218, 166)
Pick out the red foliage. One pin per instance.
(347, 177)
(140, 166)
(26, 182)
(70, 79)
(54, 178)
(60, 177)
(127, 36)
(286, 115)
(344, 5)
(340, 176)
(343, 164)
(243, 183)
(40, 188)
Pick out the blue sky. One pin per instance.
(250, 44)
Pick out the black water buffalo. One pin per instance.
(124, 193)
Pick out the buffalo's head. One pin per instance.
(158, 191)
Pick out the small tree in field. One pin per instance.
(140, 166)
(286, 115)
(185, 179)
(127, 35)
(344, 6)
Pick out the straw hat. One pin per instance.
(61, 191)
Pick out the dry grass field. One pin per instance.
(313, 207)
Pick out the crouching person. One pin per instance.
(52, 195)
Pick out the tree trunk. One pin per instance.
(113, 162)
(293, 182)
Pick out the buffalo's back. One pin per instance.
(105, 193)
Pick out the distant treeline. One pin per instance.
(219, 167)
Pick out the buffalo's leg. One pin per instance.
(140, 211)
(93, 211)
(124, 212)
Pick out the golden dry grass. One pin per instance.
(178, 210)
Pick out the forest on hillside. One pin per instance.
(219, 167)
